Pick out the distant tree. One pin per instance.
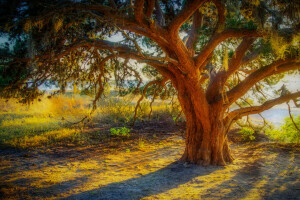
(212, 53)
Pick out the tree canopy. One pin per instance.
(211, 53)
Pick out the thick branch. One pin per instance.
(190, 7)
(274, 68)
(221, 14)
(237, 114)
(138, 10)
(150, 8)
(219, 81)
(156, 33)
(197, 23)
(238, 55)
(218, 38)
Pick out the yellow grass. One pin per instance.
(42, 123)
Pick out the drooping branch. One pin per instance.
(291, 117)
(100, 90)
(123, 51)
(272, 69)
(137, 75)
(237, 114)
(99, 44)
(152, 101)
(143, 95)
(111, 15)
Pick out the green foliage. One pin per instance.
(149, 71)
(247, 134)
(17, 71)
(120, 132)
(287, 132)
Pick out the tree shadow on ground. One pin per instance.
(153, 183)
(258, 180)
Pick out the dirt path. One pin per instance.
(144, 170)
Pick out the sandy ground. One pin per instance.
(146, 167)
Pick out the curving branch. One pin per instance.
(99, 44)
(238, 55)
(239, 113)
(217, 38)
(137, 75)
(144, 93)
(221, 77)
(188, 10)
(292, 118)
(275, 68)
(110, 15)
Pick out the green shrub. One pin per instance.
(247, 134)
(123, 132)
(287, 132)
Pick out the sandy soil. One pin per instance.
(146, 167)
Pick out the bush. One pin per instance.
(123, 132)
(247, 134)
(287, 132)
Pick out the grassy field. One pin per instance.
(49, 122)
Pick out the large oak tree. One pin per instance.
(214, 54)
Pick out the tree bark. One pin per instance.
(206, 139)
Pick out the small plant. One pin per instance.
(141, 143)
(247, 134)
(123, 132)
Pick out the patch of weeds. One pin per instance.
(141, 143)
(120, 132)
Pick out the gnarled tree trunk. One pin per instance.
(206, 139)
